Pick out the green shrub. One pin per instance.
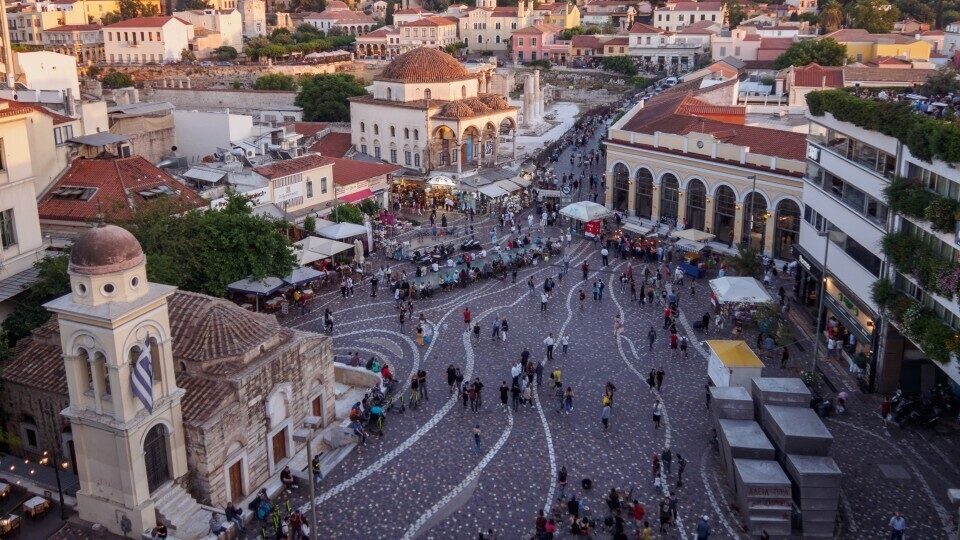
(941, 213)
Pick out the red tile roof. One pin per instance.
(118, 181)
(817, 76)
(679, 112)
(641, 28)
(349, 171)
(585, 42)
(412, 11)
(308, 129)
(146, 22)
(693, 6)
(776, 43)
(334, 145)
(618, 41)
(75, 28)
(279, 169)
(536, 30)
(19, 107)
(433, 21)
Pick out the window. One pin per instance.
(390, 93)
(934, 182)
(61, 134)
(393, 155)
(855, 250)
(416, 159)
(393, 131)
(416, 134)
(376, 129)
(497, 26)
(498, 39)
(363, 149)
(309, 189)
(427, 94)
(858, 201)
(520, 56)
(533, 41)
(376, 152)
(463, 91)
(520, 41)
(8, 234)
(323, 181)
(363, 127)
(406, 133)
(31, 437)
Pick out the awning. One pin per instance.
(586, 211)
(507, 186)
(544, 193)
(204, 175)
(637, 228)
(521, 181)
(313, 248)
(302, 275)
(491, 190)
(693, 235)
(342, 230)
(18, 283)
(687, 245)
(364, 193)
(744, 290)
(259, 287)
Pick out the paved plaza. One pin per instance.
(423, 478)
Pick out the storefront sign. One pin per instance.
(286, 193)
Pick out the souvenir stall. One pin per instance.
(589, 214)
(406, 191)
(732, 363)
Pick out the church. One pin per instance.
(161, 399)
(427, 112)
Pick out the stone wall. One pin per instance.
(235, 100)
(151, 137)
(45, 409)
(221, 76)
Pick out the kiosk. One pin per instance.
(732, 363)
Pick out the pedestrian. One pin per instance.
(585, 269)
(681, 466)
(898, 524)
(660, 375)
(504, 395)
(703, 528)
(515, 395)
(565, 343)
(530, 286)
(504, 327)
(527, 393)
(496, 327)
(549, 342)
(605, 256)
(451, 376)
(467, 316)
(647, 532)
(476, 332)
(539, 372)
(664, 515)
(652, 379)
(605, 416)
(583, 296)
(617, 326)
(683, 346)
(478, 389)
(657, 413)
(666, 457)
(543, 302)
(403, 317)
(465, 393)
(784, 357)
(651, 337)
(422, 380)
(568, 400)
(600, 287)
(562, 482)
(708, 395)
(655, 465)
(476, 438)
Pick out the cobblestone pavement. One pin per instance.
(424, 479)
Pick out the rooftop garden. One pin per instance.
(911, 198)
(921, 325)
(926, 137)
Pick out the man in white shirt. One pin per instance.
(549, 342)
(605, 256)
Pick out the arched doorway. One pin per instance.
(696, 205)
(787, 230)
(669, 197)
(644, 193)
(621, 187)
(470, 146)
(724, 213)
(755, 220)
(156, 457)
(445, 146)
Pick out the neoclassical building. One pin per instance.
(678, 158)
(230, 392)
(429, 113)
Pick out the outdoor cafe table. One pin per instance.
(4, 489)
(9, 524)
(36, 506)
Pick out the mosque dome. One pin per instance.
(424, 65)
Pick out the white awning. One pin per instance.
(340, 231)
(491, 190)
(745, 290)
(693, 235)
(521, 181)
(507, 186)
(637, 228)
(688, 245)
(586, 211)
(204, 175)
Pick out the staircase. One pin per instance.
(184, 516)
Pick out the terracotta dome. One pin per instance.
(104, 250)
(424, 65)
(478, 106)
(495, 102)
(457, 109)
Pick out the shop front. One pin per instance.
(851, 324)
(806, 288)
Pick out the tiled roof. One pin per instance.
(760, 64)
(10, 108)
(204, 396)
(678, 112)
(334, 145)
(381, 32)
(536, 30)
(412, 11)
(932, 33)
(279, 169)
(700, 27)
(618, 41)
(349, 171)
(119, 183)
(585, 42)
(817, 76)
(74, 28)
(892, 75)
(775, 43)
(308, 129)
(432, 21)
(208, 328)
(641, 28)
(146, 22)
(37, 360)
(25, 107)
(424, 65)
(504, 12)
(861, 35)
(693, 6)
(889, 60)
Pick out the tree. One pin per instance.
(116, 79)
(225, 53)
(347, 213)
(29, 312)
(388, 16)
(275, 81)
(746, 262)
(192, 4)
(310, 223)
(129, 9)
(735, 13)
(187, 55)
(204, 251)
(324, 97)
(831, 16)
(826, 52)
(874, 16)
(369, 206)
(620, 64)
(942, 82)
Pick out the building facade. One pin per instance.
(675, 15)
(146, 40)
(82, 41)
(863, 46)
(226, 22)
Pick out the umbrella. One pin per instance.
(586, 211)
(342, 230)
(302, 275)
(358, 251)
(746, 290)
(693, 235)
(256, 287)
(313, 248)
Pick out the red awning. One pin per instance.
(364, 193)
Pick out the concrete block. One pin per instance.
(731, 402)
(825, 503)
(776, 528)
(813, 471)
(796, 430)
(745, 439)
(786, 391)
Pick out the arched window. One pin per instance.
(406, 133)
(463, 91)
(621, 187)
(696, 204)
(788, 228)
(669, 196)
(363, 127)
(416, 134)
(427, 94)
(644, 189)
(755, 220)
(376, 129)
(724, 213)
(389, 93)
(393, 131)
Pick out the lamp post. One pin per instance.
(753, 199)
(56, 472)
(825, 234)
(312, 423)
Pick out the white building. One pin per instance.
(427, 112)
(436, 32)
(83, 41)
(147, 39)
(951, 40)
(254, 16)
(46, 70)
(227, 22)
(202, 133)
(338, 15)
(675, 15)
(653, 46)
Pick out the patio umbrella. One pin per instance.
(342, 230)
(358, 251)
(302, 275)
(745, 290)
(256, 287)
(586, 211)
(313, 248)
(693, 235)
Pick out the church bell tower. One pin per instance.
(124, 407)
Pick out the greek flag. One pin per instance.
(141, 378)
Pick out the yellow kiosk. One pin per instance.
(732, 363)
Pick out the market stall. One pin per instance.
(738, 290)
(313, 248)
(589, 213)
(732, 363)
(693, 235)
(694, 256)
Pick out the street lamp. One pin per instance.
(753, 199)
(825, 234)
(313, 423)
(56, 472)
